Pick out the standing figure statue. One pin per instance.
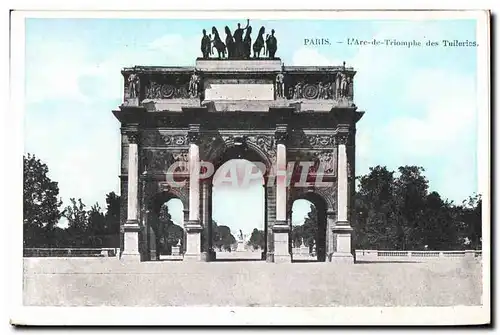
(321, 91)
(218, 44)
(205, 45)
(133, 86)
(343, 85)
(280, 85)
(350, 89)
(297, 92)
(327, 90)
(338, 79)
(247, 43)
(238, 40)
(272, 44)
(259, 43)
(194, 85)
(241, 235)
(230, 45)
(210, 46)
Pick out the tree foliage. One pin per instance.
(86, 227)
(399, 213)
(40, 202)
(257, 239)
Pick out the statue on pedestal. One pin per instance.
(259, 43)
(237, 46)
(230, 44)
(280, 85)
(194, 85)
(247, 44)
(218, 44)
(238, 40)
(272, 44)
(133, 86)
(205, 45)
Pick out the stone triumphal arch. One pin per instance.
(288, 118)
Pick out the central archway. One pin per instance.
(239, 215)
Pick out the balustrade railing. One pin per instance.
(71, 252)
(423, 254)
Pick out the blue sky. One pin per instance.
(420, 103)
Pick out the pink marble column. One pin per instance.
(131, 227)
(193, 226)
(342, 230)
(281, 228)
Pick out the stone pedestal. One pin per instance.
(281, 247)
(193, 241)
(239, 65)
(241, 246)
(176, 251)
(342, 245)
(131, 241)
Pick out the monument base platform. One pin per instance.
(130, 257)
(342, 258)
(193, 258)
(287, 258)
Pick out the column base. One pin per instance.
(283, 258)
(131, 252)
(152, 255)
(341, 258)
(269, 257)
(193, 258)
(206, 256)
(130, 257)
(281, 247)
(193, 241)
(263, 255)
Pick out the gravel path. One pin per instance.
(107, 281)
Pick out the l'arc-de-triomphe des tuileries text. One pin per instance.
(235, 104)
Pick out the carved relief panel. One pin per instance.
(326, 86)
(161, 160)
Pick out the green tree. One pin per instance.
(310, 227)
(471, 214)
(96, 226)
(257, 239)
(410, 201)
(223, 239)
(77, 216)
(375, 226)
(112, 214)
(440, 227)
(40, 203)
(162, 226)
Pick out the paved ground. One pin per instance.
(107, 281)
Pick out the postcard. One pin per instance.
(252, 167)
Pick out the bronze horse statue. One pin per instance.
(259, 43)
(229, 43)
(218, 44)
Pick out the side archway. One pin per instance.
(320, 232)
(163, 233)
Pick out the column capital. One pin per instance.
(194, 134)
(132, 132)
(281, 133)
(343, 138)
(133, 137)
